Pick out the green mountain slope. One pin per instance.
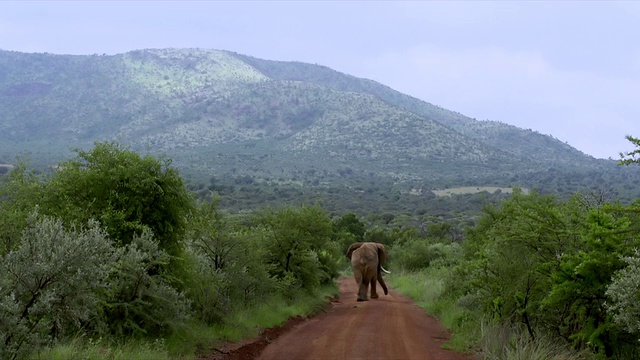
(506, 137)
(217, 112)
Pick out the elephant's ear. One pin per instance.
(353, 248)
(382, 254)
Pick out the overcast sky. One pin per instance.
(567, 69)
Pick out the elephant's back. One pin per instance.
(359, 262)
(370, 254)
(364, 256)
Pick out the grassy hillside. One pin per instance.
(231, 116)
(538, 147)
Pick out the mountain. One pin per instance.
(226, 115)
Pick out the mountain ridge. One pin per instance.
(260, 117)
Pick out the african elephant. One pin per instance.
(366, 260)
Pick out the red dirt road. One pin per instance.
(390, 327)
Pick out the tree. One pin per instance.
(124, 191)
(65, 281)
(211, 234)
(624, 293)
(299, 246)
(348, 230)
(21, 191)
(350, 223)
(631, 157)
(226, 263)
(49, 284)
(547, 264)
(139, 300)
(441, 230)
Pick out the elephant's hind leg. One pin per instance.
(362, 291)
(362, 285)
(374, 293)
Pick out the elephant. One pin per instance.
(366, 260)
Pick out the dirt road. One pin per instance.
(390, 327)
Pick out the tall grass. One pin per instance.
(501, 341)
(101, 349)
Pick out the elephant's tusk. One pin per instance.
(385, 270)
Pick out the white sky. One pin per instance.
(567, 69)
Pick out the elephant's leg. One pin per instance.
(374, 293)
(357, 275)
(362, 284)
(384, 286)
(362, 291)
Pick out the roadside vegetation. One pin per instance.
(111, 256)
(538, 277)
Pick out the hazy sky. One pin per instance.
(568, 69)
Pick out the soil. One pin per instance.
(390, 327)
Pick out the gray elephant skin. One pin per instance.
(367, 259)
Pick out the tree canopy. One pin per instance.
(631, 157)
(124, 191)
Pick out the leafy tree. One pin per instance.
(139, 301)
(624, 295)
(205, 288)
(21, 191)
(378, 235)
(417, 254)
(351, 224)
(502, 274)
(213, 236)
(387, 217)
(348, 230)
(441, 230)
(577, 296)
(226, 264)
(49, 285)
(126, 192)
(59, 282)
(631, 157)
(547, 264)
(299, 247)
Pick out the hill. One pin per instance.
(232, 121)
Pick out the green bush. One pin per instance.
(206, 289)
(227, 264)
(20, 192)
(139, 300)
(624, 295)
(49, 285)
(546, 264)
(417, 254)
(126, 192)
(131, 257)
(299, 247)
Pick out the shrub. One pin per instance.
(298, 244)
(419, 254)
(205, 288)
(49, 284)
(20, 192)
(624, 293)
(546, 264)
(139, 300)
(227, 267)
(126, 192)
